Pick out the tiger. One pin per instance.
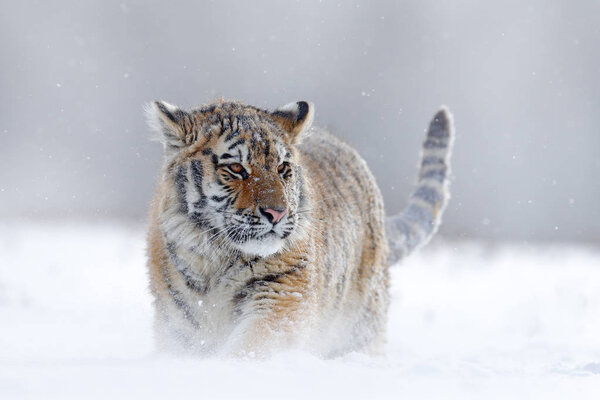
(267, 233)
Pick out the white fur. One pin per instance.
(153, 120)
(156, 122)
(262, 248)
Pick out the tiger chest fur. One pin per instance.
(266, 233)
(212, 297)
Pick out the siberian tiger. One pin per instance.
(267, 234)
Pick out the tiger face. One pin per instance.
(236, 173)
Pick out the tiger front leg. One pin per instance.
(269, 316)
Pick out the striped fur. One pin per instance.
(227, 279)
(421, 218)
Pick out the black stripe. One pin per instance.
(232, 135)
(225, 206)
(198, 176)
(235, 197)
(427, 194)
(435, 174)
(236, 143)
(218, 199)
(435, 144)
(191, 281)
(225, 125)
(182, 305)
(200, 221)
(432, 160)
(175, 116)
(180, 181)
(210, 109)
(253, 285)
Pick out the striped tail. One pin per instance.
(418, 222)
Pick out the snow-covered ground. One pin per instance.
(468, 320)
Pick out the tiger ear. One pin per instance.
(172, 124)
(295, 119)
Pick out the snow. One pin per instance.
(468, 320)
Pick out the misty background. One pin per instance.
(520, 77)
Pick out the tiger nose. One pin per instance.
(274, 214)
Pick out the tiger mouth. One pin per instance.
(240, 238)
(267, 235)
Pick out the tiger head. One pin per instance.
(234, 172)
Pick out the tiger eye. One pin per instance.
(280, 168)
(237, 168)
